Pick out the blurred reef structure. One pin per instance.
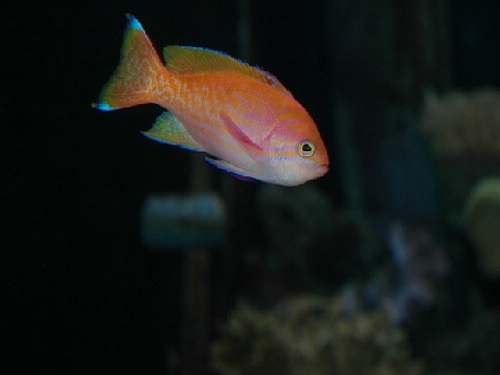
(464, 125)
(464, 131)
(311, 335)
(408, 283)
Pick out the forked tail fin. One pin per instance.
(133, 82)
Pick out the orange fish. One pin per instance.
(241, 116)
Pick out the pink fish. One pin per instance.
(240, 115)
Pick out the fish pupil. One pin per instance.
(306, 148)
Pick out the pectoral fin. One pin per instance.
(168, 129)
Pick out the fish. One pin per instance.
(241, 116)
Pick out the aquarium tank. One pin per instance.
(240, 187)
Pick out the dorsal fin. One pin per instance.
(188, 60)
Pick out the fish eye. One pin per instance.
(306, 148)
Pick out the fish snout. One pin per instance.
(323, 168)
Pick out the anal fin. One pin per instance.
(168, 129)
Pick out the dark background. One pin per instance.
(81, 294)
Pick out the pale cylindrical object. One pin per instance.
(482, 221)
(178, 221)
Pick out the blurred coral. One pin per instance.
(411, 279)
(419, 265)
(309, 335)
(482, 222)
(464, 124)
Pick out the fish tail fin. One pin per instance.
(138, 72)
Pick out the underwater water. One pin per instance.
(123, 255)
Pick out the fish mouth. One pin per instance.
(323, 168)
(320, 170)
